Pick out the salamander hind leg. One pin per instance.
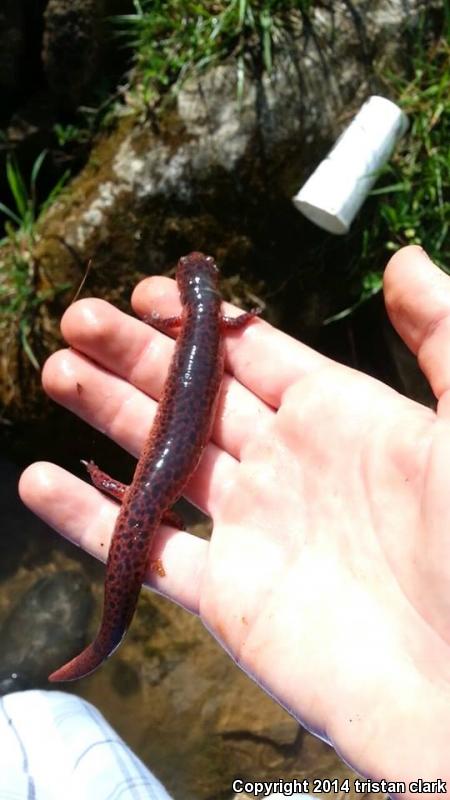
(173, 519)
(156, 565)
(104, 482)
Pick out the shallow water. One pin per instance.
(170, 691)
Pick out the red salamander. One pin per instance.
(181, 430)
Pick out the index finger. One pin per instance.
(262, 358)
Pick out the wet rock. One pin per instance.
(20, 40)
(46, 628)
(125, 679)
(11, 44)
(221, 169)
(11, 681)
(77, 47)
(70, 48)
(218, 172)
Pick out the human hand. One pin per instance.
(327, 574)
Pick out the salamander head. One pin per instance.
(197, 276)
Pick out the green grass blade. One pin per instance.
(37, 167)
(17, 186)
(242, 12)
(26, 345)
(51, 197)
(7, 211)
(393, 187)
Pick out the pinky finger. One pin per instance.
(83, 515)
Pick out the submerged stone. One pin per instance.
(45, 628)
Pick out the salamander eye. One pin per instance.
(209, 260)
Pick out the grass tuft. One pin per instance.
(19, 296)
(172, 37)
(415, 205)
(413, 190)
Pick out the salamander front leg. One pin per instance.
(104, 482)
(234, 323)
(163, 324)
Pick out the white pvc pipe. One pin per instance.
(335, 191)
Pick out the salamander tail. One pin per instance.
(115, 621)
(83, 664)
(80, 666)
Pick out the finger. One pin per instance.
(108, 401)
(262, 358)
(86, 517)
(102, 399)
(417, 295)
(126, 415)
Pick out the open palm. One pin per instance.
(327, 577)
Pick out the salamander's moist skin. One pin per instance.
(179, 434)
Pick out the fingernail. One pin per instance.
(424, 252)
